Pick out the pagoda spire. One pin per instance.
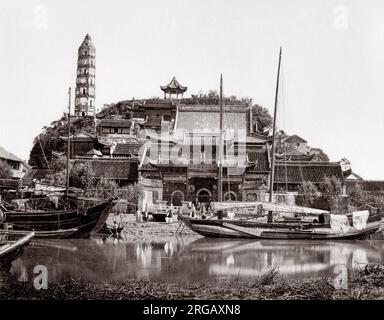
(85, 79)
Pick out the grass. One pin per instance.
(367, 283)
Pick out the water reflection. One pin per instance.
(203, 260)
(295, 259)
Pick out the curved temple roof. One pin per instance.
(174, 87)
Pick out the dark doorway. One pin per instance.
(203, 196)
(177, 198)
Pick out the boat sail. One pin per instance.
(303, 223)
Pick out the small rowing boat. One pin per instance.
(12, 245)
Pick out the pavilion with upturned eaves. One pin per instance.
(173, 88)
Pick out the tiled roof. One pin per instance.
(296, 157)
(147, 167)
(10, 184)
(115, 123)
(234, 108)
(366, 185)
(306, 171)
(295, 139)
(112, 169)
(94, 152)
(259, 160)
(123, 149)
(79, 136)
(159, 104)
(195, 120)
(4, 154)
(173, 87)
(153, 121)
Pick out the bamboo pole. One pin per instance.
(68, 142)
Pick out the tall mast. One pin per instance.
(68, 142)
(272, 176)
(221, 143)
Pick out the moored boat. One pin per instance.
(82, 219)
(12, 245)
(299, 229)
(247, 229)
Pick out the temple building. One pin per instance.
(85, 79)
(186, 161)
(170, 146)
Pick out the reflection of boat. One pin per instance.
(51, 243)
(250, 258)
(12, 245)
(84, 218)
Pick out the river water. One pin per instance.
(181, 260)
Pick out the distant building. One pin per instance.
(18, 167)
(290, 175)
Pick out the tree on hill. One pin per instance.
(48, 140)
(41, 152)
(308, 194)
(332, 189)
(261, 118)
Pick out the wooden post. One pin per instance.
(220, 186)
(271, 178)
(68, 142)
(187, 185)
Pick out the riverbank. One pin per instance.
(367, 283)
(150, 230)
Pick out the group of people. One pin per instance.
(197, 209)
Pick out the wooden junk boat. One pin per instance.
(292, 222)
(66, 216)
(12, 245)
(80, 218)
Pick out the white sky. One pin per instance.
(332, 63)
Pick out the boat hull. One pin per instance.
(228, 229)
(11, 250)
(62, 224)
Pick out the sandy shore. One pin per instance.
(151, 230)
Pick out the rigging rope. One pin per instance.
(45, 158)
(282, 99)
